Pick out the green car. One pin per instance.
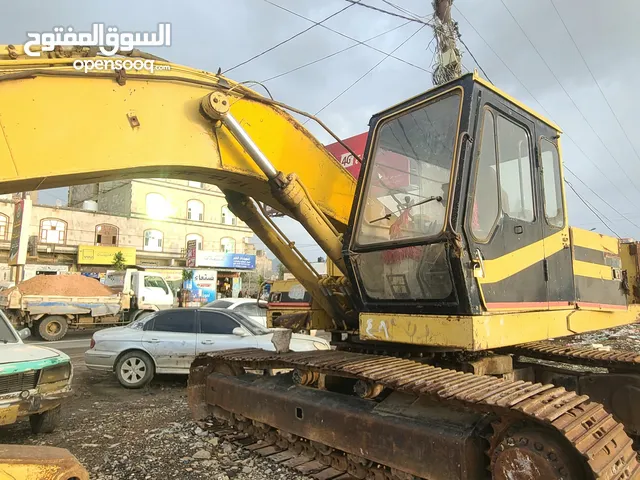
(34, 380)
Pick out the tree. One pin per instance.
(281, 271)
(118, 261)
(187, 275)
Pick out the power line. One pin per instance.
(517, 78)
(595, 80)
(404, 10)
(474, 59)
(381, 10)
(569, 95)
(315, 24)
(348, 36)
(602, 199)
(334, 53)
(577, 146)
(367, 72)
(590, 207)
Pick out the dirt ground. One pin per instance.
(143, 434)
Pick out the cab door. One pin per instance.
(557, 247)
(503, 225)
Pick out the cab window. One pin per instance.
(486, 203)
(156, 282)
(515, 171)
(551, 183)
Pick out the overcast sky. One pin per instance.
(208, 34)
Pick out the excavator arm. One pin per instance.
(61, 127)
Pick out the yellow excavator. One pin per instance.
(456, 261)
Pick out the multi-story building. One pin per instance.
(150, 220)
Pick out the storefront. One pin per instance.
(217, 275)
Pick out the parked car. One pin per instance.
(34, 380)
(168, 342)
(246, 306)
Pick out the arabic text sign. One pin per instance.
(108, 40)
(237, 261)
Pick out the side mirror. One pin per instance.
(239, 332)
(24, 333)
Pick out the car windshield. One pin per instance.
(253, 326)
(219, 304)
(6, 332)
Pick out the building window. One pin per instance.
(197, 238)
(156, 205)
(195, 210)
(4, 226)
(106, 234)
(228, 245)
(228, 218)
(53, 230)
(153, 240)
(195, 184)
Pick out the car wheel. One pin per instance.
(45, 422)
(53, 327)
(134, 369)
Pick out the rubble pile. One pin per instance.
(625, 337)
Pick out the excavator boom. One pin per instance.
(102, 126)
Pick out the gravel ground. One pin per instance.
(143, 434)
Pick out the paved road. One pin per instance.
(74, 344)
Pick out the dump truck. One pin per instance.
(457, 265)
(50, 316)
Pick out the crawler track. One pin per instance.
(594, 435)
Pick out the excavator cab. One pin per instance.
(460, 207)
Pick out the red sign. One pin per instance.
(346, 159)
(393, 168)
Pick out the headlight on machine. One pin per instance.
(321, 346)
(56, 373)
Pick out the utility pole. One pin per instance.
(449, 61)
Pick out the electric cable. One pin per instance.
(517, 78)
(366, 73)
(315, 24)
(570, 97)
(347, 36)
(308, 64)
(381, 10)
(595, 80)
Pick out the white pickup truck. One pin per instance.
(34, 380)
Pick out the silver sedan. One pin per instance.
(168, 342)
